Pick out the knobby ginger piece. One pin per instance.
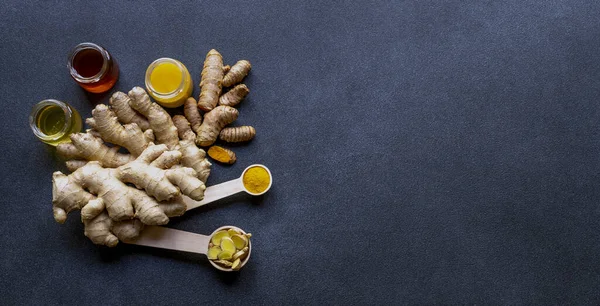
(105, 189)
(120, 103)
(158, 118)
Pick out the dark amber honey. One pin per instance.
(93, 68)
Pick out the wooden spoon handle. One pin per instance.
(172, 239)
(216, 192)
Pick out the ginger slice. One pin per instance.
(226, 263)
(239, 241)
(224, 255)
(213, 252)
(236, 265)
(240, 254)
(227, 245)
(216, 238)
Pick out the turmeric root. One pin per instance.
(234, 96)
(120, 103)
(212, 78)
(124, 202)
(159, 120)
(214, 122)
(222, 155)
(190, 109)
(237, 73)
(237, 134)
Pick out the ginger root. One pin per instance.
(121, 105)
(237, 134)
(158, 118)
(222, 155)
(237, 73)
(89, 147)
(234, 96)
(129, 136)
(212, 79)
(193, 157)
(95, 189)
(214, 122)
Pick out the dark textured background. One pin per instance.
(423, 152)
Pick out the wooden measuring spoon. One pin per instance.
(172, 239)
(223, 190)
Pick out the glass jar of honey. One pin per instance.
(53, 121)
(168, 82)
(93, 68)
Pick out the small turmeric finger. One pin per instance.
(237, 134)
(183, 128)
(226, 69)
(237, 73)
(190, 110)
(222, 155)
(234, 96)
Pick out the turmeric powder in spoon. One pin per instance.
(256, 180)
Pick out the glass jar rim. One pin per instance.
(35, 112)
(175, 92)
(83, 46)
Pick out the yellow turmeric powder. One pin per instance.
(256, 180)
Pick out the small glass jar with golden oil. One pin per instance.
(53, 121)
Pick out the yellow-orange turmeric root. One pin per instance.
(222, 155)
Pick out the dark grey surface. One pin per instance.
(423, 152)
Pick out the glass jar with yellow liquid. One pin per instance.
(168, 82)
(53, 121)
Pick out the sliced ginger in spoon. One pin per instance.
(227, 245)
(240, 241)
(213, 252)
(216, 238)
